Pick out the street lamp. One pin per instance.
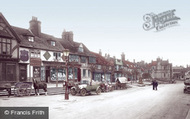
(66, 57)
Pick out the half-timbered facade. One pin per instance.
(9, 52)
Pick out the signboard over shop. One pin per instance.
(35, 62)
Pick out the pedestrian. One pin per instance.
(154, 84)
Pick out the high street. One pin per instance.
(168, 102)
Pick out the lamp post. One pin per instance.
(66, 57)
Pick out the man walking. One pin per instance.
(154, 84)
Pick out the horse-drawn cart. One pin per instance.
(121, 83)
(187, 86)
(23, 88)
(6, 86)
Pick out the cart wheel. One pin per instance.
(83, 92)
(98, 91)
(73, 92)
(27, 91)
(20, 91)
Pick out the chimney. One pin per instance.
(114, 57)
(100, 52)
(123, 56)
(35, 26)
(133, 60)
(67, 35)
(108, 55)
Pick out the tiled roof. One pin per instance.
(5, 34)
(39, 43)
(73, 47)
(129, 64)
(101, 60)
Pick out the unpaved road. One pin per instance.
(169, 102)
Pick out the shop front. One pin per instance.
(56, 71)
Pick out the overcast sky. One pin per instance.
(114, 26)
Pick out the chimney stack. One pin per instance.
(100, 52)
(123, 56)
(67, 35)
(35, 26)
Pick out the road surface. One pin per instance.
(168, 102)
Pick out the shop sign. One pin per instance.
(24, 55)
(35, 62)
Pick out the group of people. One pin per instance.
(154, 84)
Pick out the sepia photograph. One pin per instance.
(94, 59)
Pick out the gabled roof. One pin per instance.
(101, 60)
(74, 46)
(129, 64)
(39, 43)
(10, 28)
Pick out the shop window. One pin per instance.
(60, 73)
(84, 72)
(89, 73)
(36, 72)
(97, 77)
(70, 73)
(43, 74)
(76, 73)
(7, 72)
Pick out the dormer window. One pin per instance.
(30, 38)
(52, 43)
(81, 48)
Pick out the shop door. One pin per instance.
(47, 75)
(23, 72)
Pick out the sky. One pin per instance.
(114, 26)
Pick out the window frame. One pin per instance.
(5, 46)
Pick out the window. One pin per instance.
(5, 46)
(57, 55)
(35, 54)
(70, 73)
(81, 48)
(83, 59)
(30, 38)
(89, 73)
(84, 72)
(76, 73)
(7, 72)
(92, 60)
(73, 58)
(99, 67)
(52, 43)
